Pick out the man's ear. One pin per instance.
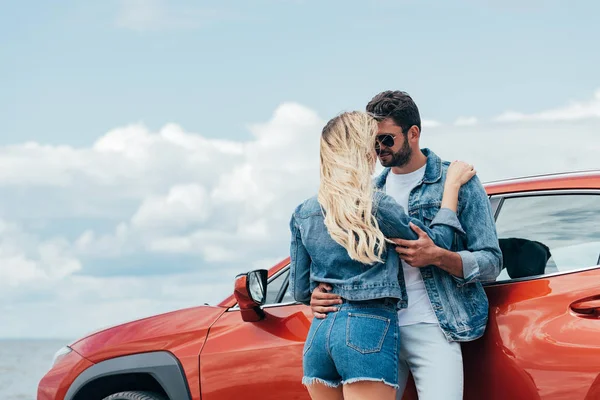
(414, 133)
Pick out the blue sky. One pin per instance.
(73, 70)
(151, 150)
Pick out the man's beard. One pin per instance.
(399, 158)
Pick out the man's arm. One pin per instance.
(481, 261)
(450, 262)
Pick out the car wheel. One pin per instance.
(137, 395)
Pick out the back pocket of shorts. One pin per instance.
(365, 333)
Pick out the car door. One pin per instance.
(258, 360)
(543, 334)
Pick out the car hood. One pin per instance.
(160, 332)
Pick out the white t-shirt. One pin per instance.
(419, 308)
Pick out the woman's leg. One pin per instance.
(366, 390)
(319, 391)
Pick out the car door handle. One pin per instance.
(589, 307)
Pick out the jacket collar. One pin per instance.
(433, 170)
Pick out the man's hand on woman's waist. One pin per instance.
(323, 302)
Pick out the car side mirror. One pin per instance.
(251, 293)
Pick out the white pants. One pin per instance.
(435, 363)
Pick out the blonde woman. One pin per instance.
(340, 237)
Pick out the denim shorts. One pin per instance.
(359, 342)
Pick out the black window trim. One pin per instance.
(537, 193)
(496, 203)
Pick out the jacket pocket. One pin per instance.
(365, 333)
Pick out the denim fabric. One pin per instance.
(359, 342)
(460, 304)
(316, 257)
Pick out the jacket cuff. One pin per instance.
(446, 216)
(469, 265)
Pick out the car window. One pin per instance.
(547, 234)
(277, 288)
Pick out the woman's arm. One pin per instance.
(299, 266)
(459, 173)
(394, 223)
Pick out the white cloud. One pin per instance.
(154, 15)
(26, 258)
(507, 150)
(246, 196)
(223, 204)
(428, 123)
(182, 206)
(466, 121)
(575, 110)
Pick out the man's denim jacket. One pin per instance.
(460, 304)
(316, 257)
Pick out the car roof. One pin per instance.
(567, 180)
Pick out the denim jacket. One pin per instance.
(460, 304)
(316, 257)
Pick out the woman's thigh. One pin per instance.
(319, 391)
(366, 390)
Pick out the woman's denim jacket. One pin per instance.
(316, 257)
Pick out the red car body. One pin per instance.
(542, 340)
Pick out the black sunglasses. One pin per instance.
(383, 140)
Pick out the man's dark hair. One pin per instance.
(398, 106)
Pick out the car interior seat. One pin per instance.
(523, 257)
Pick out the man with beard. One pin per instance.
(446, 303)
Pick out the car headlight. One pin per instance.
(60, 354)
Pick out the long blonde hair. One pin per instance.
(346, 189)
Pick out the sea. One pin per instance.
(23, 362)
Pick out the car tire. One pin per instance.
(136, 395)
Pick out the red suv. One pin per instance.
(542, 340)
